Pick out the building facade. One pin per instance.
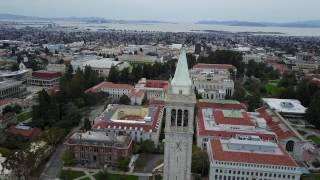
(113, 89)
(152, 88)
(138, 122)
(45, 79)
(228, 119)
(96, 149)
(249, 158)
(179, 106)
(213, 81)
(11, 89)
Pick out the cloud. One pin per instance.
(170, 10)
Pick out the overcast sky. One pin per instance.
(169, 10)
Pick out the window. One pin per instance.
(290, 146)
(179, 118)
(173, 117)
(185, 118)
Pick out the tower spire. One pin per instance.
(181, 81)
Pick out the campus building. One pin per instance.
(225, 119)
(45, 79)
(96, 149)
(213, 81)
(250, 158)
(11, 89)
(152, 88)
(287, 136)
(138, 122)
(290, 109)
(113, 89)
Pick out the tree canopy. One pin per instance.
(313, 112)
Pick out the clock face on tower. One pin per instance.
(179, 146)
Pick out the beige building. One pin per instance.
(213, 81)
(10, 89)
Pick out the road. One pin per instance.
(55, 164)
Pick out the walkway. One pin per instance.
(91, 172)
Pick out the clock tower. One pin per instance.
(179, 107)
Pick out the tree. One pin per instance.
(125, 76)
(14, 67)
(148, 146)
(200, 161)
(54, 135)
(124, 99)
(313, 112)
(113, 74)
(68, 158)
(145, 101)
(87, 124)
(123, 164)
(253, 101)
(17, 109)
(239, 92)
(46, 50)
(7, 109)
(69, 71)
(21, 163)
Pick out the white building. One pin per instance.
(56, 68)
(114, 90)
(136, 96)
(226, 119)
(290, 109)
(141, 123)
(213, 81)
(11, 89)
(44, 79)
(250, 158)
(152, 88)
(100, 66)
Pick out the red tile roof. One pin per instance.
(8, 101)
(274, 123)
(28, 133)
(222, 105)
(202, 131)
(156, 84)
(221, 119)
(250, 157)
(136, 93)
(108, 85)
(146, 127)
(282, 68)
(46, 75)
(156, 101)
(214, 66)
(313, 78)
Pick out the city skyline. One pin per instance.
(166, 10)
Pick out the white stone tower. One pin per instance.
(179, 105)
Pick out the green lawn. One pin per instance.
(85, 178)
(118, 177)
(311, 177)
(24, 116)
(273, 88)
(314, 139)
(70, 174)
